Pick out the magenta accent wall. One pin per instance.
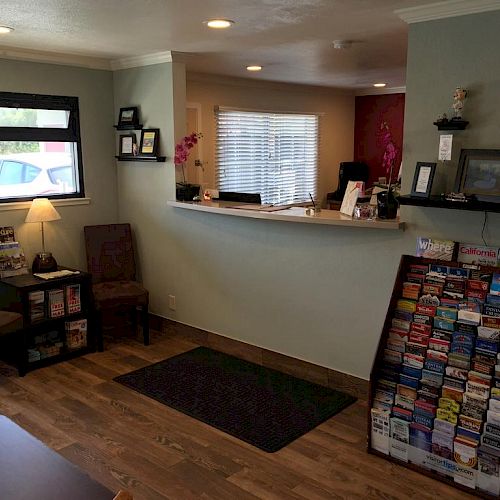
(370, 112)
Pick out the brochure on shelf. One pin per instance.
(436, 376)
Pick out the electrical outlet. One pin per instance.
(171, 302)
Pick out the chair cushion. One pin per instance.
(115, 293)
(10, 322)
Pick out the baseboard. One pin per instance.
(355, 386)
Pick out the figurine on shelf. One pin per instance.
(458, 102)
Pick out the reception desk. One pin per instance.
(292, 214)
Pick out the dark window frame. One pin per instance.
(70, 134)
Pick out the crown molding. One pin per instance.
(18, 54)
(441, 10)
(145, 60)
(381, 91)
(90, 62)
(234, 81)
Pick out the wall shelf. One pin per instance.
(439, 202)
(135, 126)
(451, 124)
(142, 158)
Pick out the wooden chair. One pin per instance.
(10, 322)
(11, 327)
(110, 260)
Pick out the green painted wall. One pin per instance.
(94, 88)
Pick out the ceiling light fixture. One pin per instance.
(219, 23)
(379, 84)
(342, 44)
(5, 29)
(254, 68)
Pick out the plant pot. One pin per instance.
(186, 191)
(387, 205)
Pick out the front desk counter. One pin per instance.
(292, 214)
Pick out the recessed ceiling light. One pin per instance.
(5, 29)
(379, 84)
(254, 68)
(219, 23)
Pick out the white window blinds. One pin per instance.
(273, 154)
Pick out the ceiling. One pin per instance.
(291, 39)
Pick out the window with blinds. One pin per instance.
(274, 154)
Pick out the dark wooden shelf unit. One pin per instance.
(142, 158)
(134, 126)
(439, 202)
(14, 296)
(451, 124)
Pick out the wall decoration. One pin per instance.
(370, 112)
(149, 142)
(479, 173)
(127, 143)
(422, 181)
(128, 117)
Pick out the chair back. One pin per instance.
(110, 253)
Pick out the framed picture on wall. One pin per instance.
(128, 117)
(149, 142)
(422, 181)
(479, 173)
(127, 143)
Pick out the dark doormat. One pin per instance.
(261, 406)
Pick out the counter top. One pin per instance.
(292, 214)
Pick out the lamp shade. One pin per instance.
(42, 211)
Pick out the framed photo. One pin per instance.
(149, 142)
(127, 143)
(422, 181)
(479, 173)
(128, 117)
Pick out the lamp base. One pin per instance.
(44, 263)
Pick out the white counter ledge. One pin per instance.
(293, 214)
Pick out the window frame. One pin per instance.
(69, 134)
(222, 109)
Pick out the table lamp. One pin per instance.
(42, 211)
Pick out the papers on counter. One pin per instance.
(261, 208)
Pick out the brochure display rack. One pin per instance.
(435, 384)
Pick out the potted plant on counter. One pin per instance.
(184, 191)
(387, 203)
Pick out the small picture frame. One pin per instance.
(422, 181)
(479, 174)
(127, 143)
(128, 117)
(149, 142)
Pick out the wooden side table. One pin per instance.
(41, 329)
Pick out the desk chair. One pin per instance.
(110, 260)
(10, 323)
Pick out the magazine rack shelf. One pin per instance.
(431, 356)
(44, 339)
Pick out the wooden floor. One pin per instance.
(125, 440)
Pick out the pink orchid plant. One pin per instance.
(183, 148)
(390, 150)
